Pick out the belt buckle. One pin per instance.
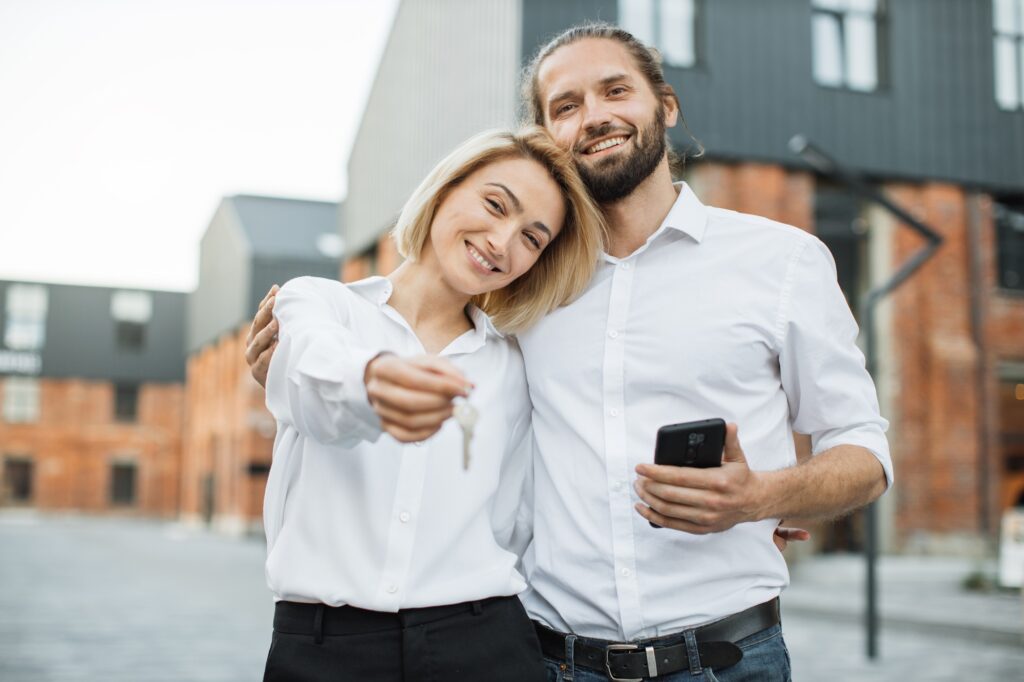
(608, 664)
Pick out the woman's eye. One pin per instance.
(533, 240)
(496, 206)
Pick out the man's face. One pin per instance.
(599, 105)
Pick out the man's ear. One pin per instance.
(670, 101)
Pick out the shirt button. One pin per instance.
(618, 486)
(404, 517)
(613, 412)
(392, 589)
(625, 266)
(614, 334)
(419, 444)
(625, 572)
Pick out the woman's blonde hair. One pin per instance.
(564, 267)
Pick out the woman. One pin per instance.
(389, 558)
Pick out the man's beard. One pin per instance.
(615, 178)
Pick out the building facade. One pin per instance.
(91, 385)
(922, 99)
(251, 243)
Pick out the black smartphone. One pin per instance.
(690, 444)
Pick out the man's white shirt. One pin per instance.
(719, 314)
(354, 517)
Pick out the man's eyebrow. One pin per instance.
(615, 78)
(512, 197)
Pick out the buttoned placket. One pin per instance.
(620, 500)
(412, 475)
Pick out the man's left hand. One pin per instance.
(702, 501)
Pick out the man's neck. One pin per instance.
(634, 218)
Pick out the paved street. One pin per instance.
(109, 600)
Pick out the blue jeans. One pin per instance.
(765, 659)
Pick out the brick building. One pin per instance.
(91, 385)
(922, 99)
(251, 243)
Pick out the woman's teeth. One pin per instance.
(480, 259)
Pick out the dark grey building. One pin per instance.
(252, 243)
(914, 89)
(63, 331)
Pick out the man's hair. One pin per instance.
(647, 58)
(564, 267)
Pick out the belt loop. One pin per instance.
(692, 653)
(477, 607)
(318, 624)
(570, 663)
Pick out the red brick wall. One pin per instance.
(227, 430)
(77, 438)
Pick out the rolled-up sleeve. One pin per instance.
(315, 379)
(831, 395)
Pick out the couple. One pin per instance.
(634, 306)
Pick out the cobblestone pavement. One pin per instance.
(119, 600)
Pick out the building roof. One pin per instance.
(288, 228)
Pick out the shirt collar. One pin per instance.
(378, 290)
(688, 215)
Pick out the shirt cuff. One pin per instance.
(866, 436)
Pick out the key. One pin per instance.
(466, 416)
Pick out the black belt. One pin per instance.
(716, 645)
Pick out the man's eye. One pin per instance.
(565, 108)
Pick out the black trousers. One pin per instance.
(489, 640)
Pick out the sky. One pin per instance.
(124, 122)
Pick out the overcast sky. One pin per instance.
(123, 123)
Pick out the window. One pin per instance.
(1009, 218)
(16, 485)
(132, 311)
(846, 43)
(669, 25)
(126, 402)
(25, 326)
(1008, 39)
(123, 475)
(21, 400)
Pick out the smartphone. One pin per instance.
(690, 444)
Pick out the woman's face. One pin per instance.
(493, 226)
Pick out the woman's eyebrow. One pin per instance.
(512, 197)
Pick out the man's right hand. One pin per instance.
(262, 338)
(413, 396)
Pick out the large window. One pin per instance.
(132, 311)
(123, 476)
(847, 42)
(1008, 28)
(25, 323)
(21, 400)
(669, 25)
(1010, 244)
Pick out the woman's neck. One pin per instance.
(435, 311)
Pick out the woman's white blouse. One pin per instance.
(354, 517)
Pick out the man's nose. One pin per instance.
(595, 114)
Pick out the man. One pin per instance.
(694, 313)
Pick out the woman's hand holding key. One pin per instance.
(413, 396)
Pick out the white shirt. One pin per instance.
(719, 314)
(354, 517)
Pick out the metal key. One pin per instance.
(466, 416)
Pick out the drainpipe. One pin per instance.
(825, 165)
